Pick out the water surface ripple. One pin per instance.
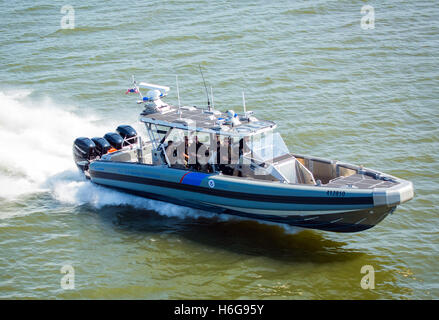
(363, 96)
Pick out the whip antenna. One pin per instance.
(211, 94)
(178, 95)
(205, 87)
(243, 101)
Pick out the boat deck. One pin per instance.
(360, 181)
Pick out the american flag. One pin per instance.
(133, 90)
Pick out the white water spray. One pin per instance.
(36, 156)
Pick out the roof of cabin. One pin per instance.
(199, 119)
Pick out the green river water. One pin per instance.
(336, 90)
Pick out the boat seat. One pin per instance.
(121, 156)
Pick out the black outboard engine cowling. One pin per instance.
(128, 134)
(115, 140)
(102, 145)
(84, 150)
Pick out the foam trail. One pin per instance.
(74, 190)
(36, 141)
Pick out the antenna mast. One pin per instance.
(243, 101)
(211, 94)
(137, 87)
(205, 87)
(178, 95)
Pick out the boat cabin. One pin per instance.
(207, 140)
(228, 143)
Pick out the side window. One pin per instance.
(161, 132)
(203, 138)
(175, 135)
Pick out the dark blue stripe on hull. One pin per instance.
(368, 200)
(322, 222)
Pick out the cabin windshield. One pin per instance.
(267, 146)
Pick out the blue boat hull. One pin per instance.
(301, 206)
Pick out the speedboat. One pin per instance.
(236, 164)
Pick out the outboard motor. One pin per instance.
(115, 140)
(102, 146)
(84, 150)
(128, 134)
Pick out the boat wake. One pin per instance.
(36, 142)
